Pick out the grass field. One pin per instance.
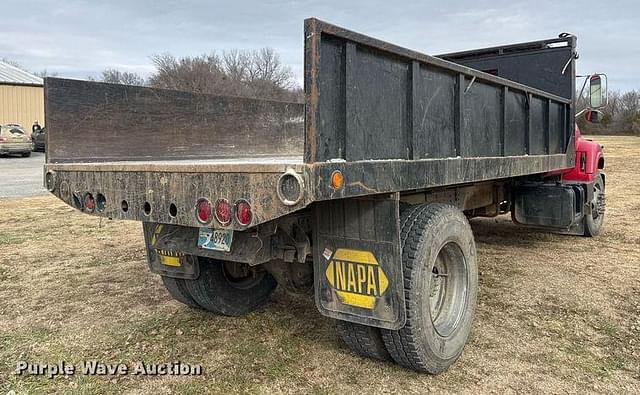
(556, 313)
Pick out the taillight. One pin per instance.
(203, 211)
(2, 139)
(89, 203)
(243, 212)
(223, 211)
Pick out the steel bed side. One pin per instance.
(392, 119)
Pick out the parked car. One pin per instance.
(14, 140)
(38, 137)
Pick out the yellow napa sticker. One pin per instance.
(170, 258)
(357, 277)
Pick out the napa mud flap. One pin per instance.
(163, 255)
(357, 261)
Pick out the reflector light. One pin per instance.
(203, 211)
(223, 211)
(89, 203)
(336, 179)
(243, 212)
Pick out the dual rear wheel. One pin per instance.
(225, 288)
(440, 285)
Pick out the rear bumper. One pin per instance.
(166, 195)
(15, 148)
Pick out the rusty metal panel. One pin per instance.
(370, 100)
(375, 177)
(157, 191)
(95, 122)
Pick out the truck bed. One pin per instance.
(390, 119)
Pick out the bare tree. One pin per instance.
(12, 63)
(201, 74)
(45, 73)
(237, 64)
(258, 74)
(621, 114)
(114, 76)
(630, 111)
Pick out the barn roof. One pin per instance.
(12, 75)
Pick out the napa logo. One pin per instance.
(357, 277)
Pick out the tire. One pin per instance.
(220, 290)
(593, 222)
(436, 239)
(178, 291)
(26, 154)
(363, 340)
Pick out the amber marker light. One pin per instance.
(336, 179)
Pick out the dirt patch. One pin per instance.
(556, 313)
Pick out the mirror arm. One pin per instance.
(584, 84)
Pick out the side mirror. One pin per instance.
(596, 91)
(593, 116)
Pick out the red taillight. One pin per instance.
(203, 211)
(89, 203)
(243, 212)
(223, 211)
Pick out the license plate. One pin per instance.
(215, 239)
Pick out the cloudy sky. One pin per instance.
(79, 38)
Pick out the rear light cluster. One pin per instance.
(205, 211)
(224, 212)
(89, 203)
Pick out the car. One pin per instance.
(14, 140)
(39, 140)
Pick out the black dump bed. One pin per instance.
(389, 118)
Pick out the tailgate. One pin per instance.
(150, 154)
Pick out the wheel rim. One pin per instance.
(240, 276)
(597, 204)
(448, 289)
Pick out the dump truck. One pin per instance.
(360, 196)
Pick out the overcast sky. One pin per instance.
(79, 38)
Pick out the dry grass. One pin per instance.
(556, 313)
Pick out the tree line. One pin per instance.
(249, 73)
(261, 74)
(620, 115)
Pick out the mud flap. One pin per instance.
(357, 261)
(163, 256)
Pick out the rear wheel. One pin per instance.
(593, 222)
(26, 154)
(230, 288)
(441, 282)
(363, 340)
(178, 291)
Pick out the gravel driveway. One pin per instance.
(21, 176)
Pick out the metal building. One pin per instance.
(21, 97)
